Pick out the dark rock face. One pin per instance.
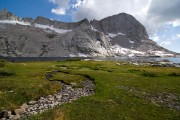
(44, 37)
(123, 23)
(132, 29)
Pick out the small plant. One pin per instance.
(3, 60)
(6, 73)
(173, 74)
(133, 70)
(2, 64)
(95, 68)
(149, 74)
(109, 70)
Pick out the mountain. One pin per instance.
(118, 35)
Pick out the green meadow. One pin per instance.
(122, 91)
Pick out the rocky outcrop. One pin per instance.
(5, 15)
(122, 23)
(60, 25)
(118, 35)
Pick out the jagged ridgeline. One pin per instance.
(118, 35)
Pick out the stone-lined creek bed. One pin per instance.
(66, 94)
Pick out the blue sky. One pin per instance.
(32, 8)
(162, 21)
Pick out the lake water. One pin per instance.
(30, 59)
(148, 59)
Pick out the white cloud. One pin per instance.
(175, 23)
(77, 4)
(152, 13)
(98, 9)
(165, 43)
(155, 37)
(178, 35)
(155, 15)
(63, 6)
(59, 11)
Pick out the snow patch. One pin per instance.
(101, 50)
(14, 22)
(81, 55)
(132, 42)
(112, 35)
(92, 28)
(61, 31)
(119, 51)
(160, 53)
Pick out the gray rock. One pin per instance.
(24, 106)
(16, 117)
(19, 111)
(32, 102)
(30, 41)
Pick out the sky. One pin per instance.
(160, 17)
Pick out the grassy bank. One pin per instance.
(122, 91)
(22, 82)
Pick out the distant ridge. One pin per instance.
(117, 35)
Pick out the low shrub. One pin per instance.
(173, 74)
(3, 60)
(74, 59)
(149, 74)
(2, 64)
(133, 70)
(5, 73)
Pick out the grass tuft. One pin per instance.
(6, 73)
(174, 74)
(2, 64)
(149, 74)
(74, 59)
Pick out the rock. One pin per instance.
(19, 111)
(16, 117)
(66, 94)
(2, 114)
(32, 102)
(81, 38)
(5, 115)
(58, 96)
(11, 116)
(24, 106)
(49, 96)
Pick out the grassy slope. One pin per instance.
(26, 84)
(110, 102)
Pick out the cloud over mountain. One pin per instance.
(152, 13)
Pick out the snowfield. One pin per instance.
(61, 31)
(14, 22)
(112, 35)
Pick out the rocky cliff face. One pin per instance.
(118, 35)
